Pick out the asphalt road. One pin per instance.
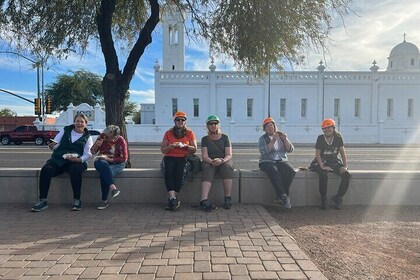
(370, 157)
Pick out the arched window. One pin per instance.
(412, 61)
(171, 36)
(176, 35)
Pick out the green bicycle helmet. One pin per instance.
(212, 118)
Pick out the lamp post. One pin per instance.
(37, 64)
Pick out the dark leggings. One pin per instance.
(50, 169)
(323, 181)
(174, 173)
(281, 174)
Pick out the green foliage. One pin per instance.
(136, 117)
(6, 112)
(79, 87)
(130, 108)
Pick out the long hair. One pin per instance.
(180, 132)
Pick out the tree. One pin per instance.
(257, 34)
(79, 87)
(6, 112)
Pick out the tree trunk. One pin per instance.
(116, 84)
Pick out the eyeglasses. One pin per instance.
(212, 123)
(180, 120)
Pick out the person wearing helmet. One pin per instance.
(216, 151)
(274, 146)
(176, 144)
(330, 156)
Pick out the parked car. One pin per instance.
(26, 133)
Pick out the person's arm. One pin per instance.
(192, 147)
(97, 145)
(343, 156)
(86, 151)
(228, 154)
(53, 145)
(122, 156)
(205, 155)
(320, 162)
(288, 146)
(165, 147)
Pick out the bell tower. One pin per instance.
(173, 29)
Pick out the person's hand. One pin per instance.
(99, 142)
(74, 159)
(343, 169)
(217, 161)
(51, 144)
(282, 135)
(327, 168)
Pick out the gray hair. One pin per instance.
(112, 129)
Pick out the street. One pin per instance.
(369, 157)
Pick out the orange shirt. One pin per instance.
(178, 152)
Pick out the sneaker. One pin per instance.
(103, 205)
(205, 205)
(227, 203)
(115, 193)
(173, 204)
(77, 205)
(338, 200)
(286, 201)
(39, 206)
(278, 201)
(324, 203)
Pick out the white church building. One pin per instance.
(369, 106)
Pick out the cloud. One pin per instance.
(142, 96)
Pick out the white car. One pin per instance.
(95, 133)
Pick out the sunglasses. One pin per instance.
(180, 120)
(212, 123)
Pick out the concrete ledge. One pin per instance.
(20, 185)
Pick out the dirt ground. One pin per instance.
(357, 242)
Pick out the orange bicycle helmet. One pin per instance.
(268, 120)
(327, 123)
(180, 115)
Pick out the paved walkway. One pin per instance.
(137, 241)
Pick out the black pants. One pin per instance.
(323, 180)
(174, 173)
(50, 169)
(281, 174)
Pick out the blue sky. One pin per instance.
(368, 35)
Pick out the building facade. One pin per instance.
(369, 106)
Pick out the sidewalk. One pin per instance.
(137, 241)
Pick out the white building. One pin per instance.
(369, 106)
(147, 113)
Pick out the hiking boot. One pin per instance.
(103, 205)
(338, 201)
(227, 203)
(205, 205)
(77, 205)
(115, 193)
(324, 203)
(286, 201)
(173, 204)
(39, 206)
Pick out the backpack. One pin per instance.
(193, 166)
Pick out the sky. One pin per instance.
(369, 33)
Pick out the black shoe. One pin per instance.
(324, 203)
(115, 193)
(205, 205)
(173, 204)
(77, 205)
(338, 201)
(103, 205)
(39, 206)
(227, 202)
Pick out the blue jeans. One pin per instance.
(281, 174)
(107, 172)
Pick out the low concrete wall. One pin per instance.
(18, 185)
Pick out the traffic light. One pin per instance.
(49, 106)
(37, 103)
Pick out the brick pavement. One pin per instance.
(135, 241)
